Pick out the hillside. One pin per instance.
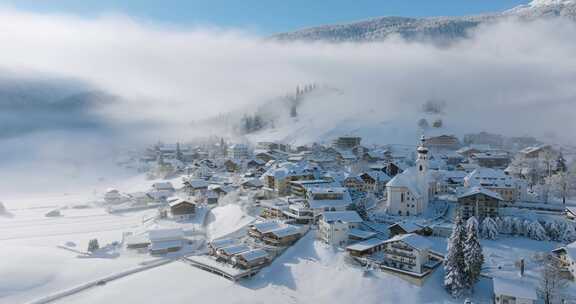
(439, 30)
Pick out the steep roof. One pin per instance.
(480, 190)
(407, 179)
(413, 240)
(253, 255)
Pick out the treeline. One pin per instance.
(263, 119)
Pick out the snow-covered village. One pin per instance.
(213, 153)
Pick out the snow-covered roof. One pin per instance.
(157, 235)
(163, 186)
(253, 182)
(378, 176)
(164, 245)
(480, 190)
(326, 190)
(197, 183)
(265, 227)
(529, 150)
(179, 201)
(217, 244)
(408, 226)
(413, 240)
(136, 239)
(488, 177)
(285, 231)
(341, 216)
(285, 169)
(361, 234)
(365, 245)
(408, 180)
(234, 249)
(515, 288)
(253, 255)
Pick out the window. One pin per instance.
(402, 197)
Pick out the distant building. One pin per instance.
(541, 152)
(346, 142)
(443, 142)
(161, 190)
(484, 138)
(509, 188)
(496, 160)
(479, 202)
(238, 151)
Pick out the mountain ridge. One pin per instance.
(439, 29)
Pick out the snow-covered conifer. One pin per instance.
(535, 231)
(455, 280)
(473, 257)
(488, 229)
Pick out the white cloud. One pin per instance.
(516, 78)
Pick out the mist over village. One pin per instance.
(203, 152)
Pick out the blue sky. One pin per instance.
(262, 16)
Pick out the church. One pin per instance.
(409, 192)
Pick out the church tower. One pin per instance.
(422, 167)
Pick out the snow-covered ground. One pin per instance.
(41, 255)
(308, 272)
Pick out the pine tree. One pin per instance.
(473, 257)
(507, 225)
(93, 245)
(553, 230)
(535, 231)
(489, 229)
(455, 280)
(517, 226)
(568, 234)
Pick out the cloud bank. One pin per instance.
(512, 77)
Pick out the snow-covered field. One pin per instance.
(40, 255)
(309, 272)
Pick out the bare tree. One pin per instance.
(552, 282)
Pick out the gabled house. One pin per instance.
(163, 241)
(510, 188)
(182, 209)
(251, 259)
(566, 255)
(161, 190)
(479, 202)
(407, 252)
